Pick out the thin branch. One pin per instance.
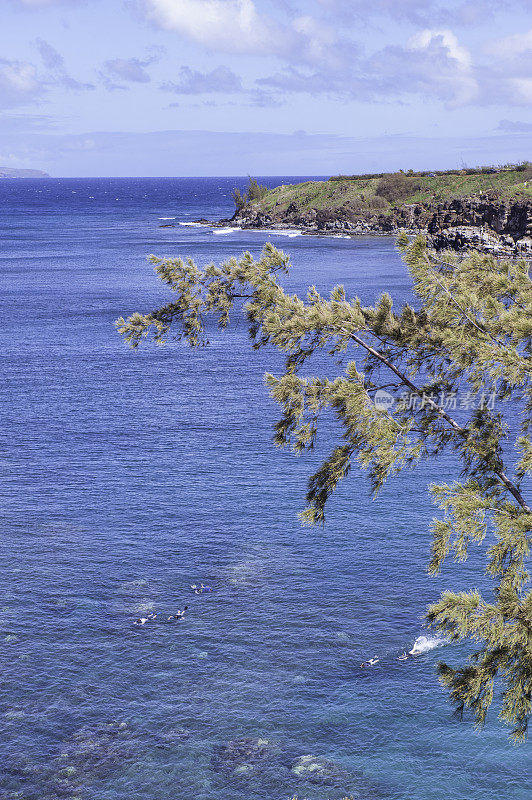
(510, 486)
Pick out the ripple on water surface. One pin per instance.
(128, 477)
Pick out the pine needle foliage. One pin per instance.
(471, 331)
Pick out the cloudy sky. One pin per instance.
(231, 87)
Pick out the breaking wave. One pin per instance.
(225, 230)
(424, 644)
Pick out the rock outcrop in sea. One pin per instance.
(266, 763)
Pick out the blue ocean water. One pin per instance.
(128, 476)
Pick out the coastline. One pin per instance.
(498, 221)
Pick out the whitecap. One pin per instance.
(425, 643)
(167, 217)
(225, 230)
(273, 232)
(191, 224)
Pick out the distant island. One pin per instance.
(8, 172)
(484, 208)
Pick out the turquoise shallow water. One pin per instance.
(127, 476)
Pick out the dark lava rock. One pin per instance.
(482, 222)
(95, 750)
(242, 756)
(319, 771)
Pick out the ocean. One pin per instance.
(128, 476)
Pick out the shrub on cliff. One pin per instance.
(239, 199)
(255, 192)
(377, 203)
(395, 187)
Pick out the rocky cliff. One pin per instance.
(484, 222)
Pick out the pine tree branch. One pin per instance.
(510, 486)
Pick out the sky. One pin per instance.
(263, 87)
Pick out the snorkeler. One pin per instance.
(370, 663)
(403, 657)
(178, 615)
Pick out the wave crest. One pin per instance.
(424, 644)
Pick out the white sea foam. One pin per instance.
(274, 232)
(425, 643)
(167, 217)
(143, 608)
(220, 231)
(191, 224)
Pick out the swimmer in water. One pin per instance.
(403, 657)
(178, 615)
(370, 663)
(140, 621)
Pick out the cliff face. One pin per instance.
(484, 222)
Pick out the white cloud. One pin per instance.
(192, 81)
(231, 25)
(19, 83)
(433, 64)
(132, 70)
(238, 26)
(449, 65)
(422, 12)
(508, 74)
(55, 64)
(423, 40)
(512, 46)
(522, 90)
(49, 55)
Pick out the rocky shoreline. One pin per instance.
(484, 223)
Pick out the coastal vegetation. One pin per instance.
(255, 192)
(469, 335)
(361, 191)
(487, 209)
